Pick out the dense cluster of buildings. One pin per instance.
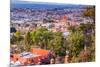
(54, 19)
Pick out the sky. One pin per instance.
(85, 2)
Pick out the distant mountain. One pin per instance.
(39, 5)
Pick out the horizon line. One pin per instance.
(52, 2)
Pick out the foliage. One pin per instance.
(75, 45)
(16, 38)
(89, 12)
(82, 38)
(27, 41)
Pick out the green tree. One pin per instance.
(13, 39)
(56, 44)
(16, 38)
(48, 40)
(75, 45)
(28, 41)
(40, 37)
(81, 42)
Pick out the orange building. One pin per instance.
(63, 19)
(36, 54)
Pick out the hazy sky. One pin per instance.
(88, 2)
